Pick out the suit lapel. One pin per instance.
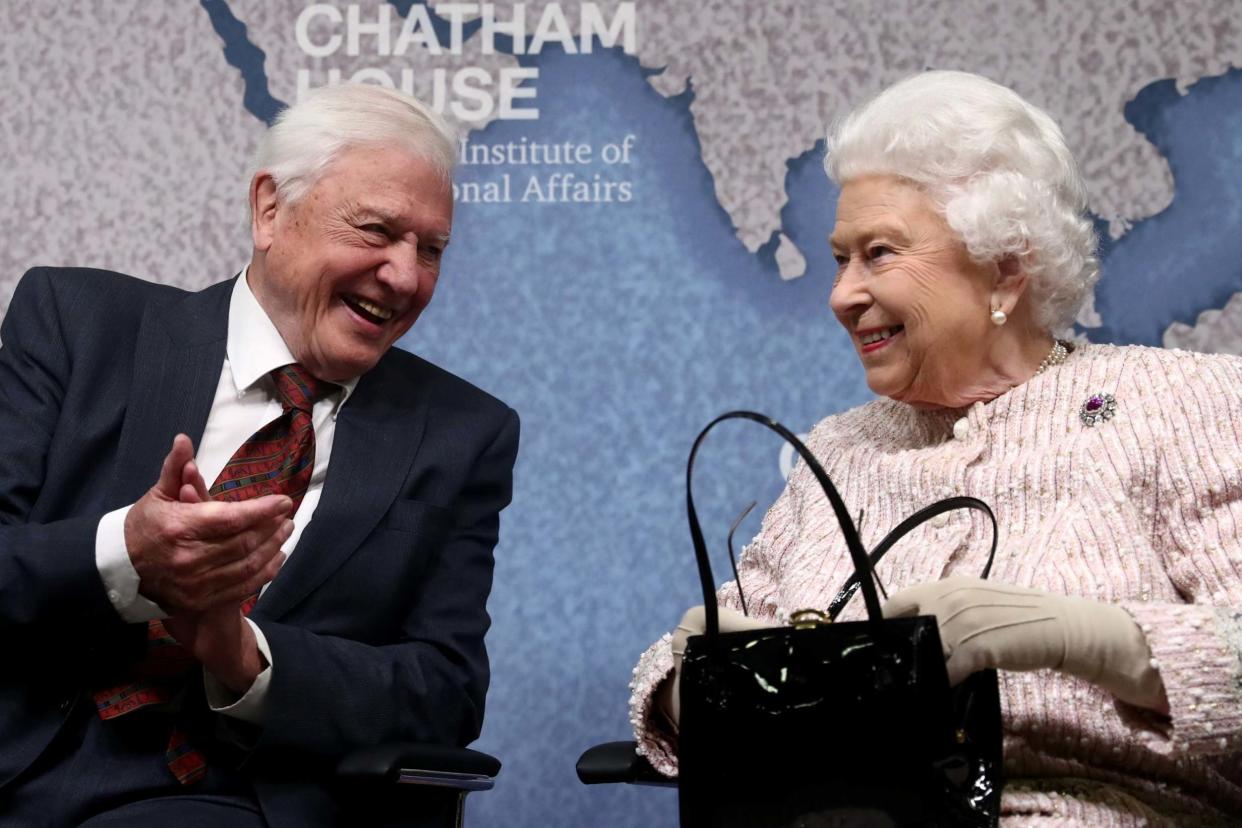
(179, 353)
(373, 450)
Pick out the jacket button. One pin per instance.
(961, 429)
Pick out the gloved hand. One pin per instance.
(985, 625)
(694, 622)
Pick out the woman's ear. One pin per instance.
(1011, 283)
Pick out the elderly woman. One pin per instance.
(1114, 609)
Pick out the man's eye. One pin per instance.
(375, 229)
(433, 253)
(875, 251)
(841, 259)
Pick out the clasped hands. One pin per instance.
(985, 625)
(199, 559)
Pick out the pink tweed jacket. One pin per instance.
(1143, 510)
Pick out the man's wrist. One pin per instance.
(249, 706)
(238, 673)
(116, 571)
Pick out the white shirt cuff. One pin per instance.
(250, 706)
(120, 579)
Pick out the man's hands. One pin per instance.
(199, 559)
(694, 622)
(985, 625)
(191, 555)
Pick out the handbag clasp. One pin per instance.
(807, 619)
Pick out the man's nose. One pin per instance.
(401, 271)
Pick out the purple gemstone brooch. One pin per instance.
(1097, 408)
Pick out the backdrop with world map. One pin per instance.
(665, 263)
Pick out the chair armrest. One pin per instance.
(412, 763)
(619, 762)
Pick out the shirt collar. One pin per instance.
(255, 347)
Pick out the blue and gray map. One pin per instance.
(639, 245)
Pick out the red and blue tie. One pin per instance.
(279, 458)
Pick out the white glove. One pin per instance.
(986, 625)
(694, 622)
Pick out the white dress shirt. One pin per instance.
(245, 401)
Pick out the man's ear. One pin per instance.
(1011, 283)
(263, 208)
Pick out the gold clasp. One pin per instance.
(806, 619)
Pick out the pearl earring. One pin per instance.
(998, 317)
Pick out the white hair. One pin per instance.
(308, 136)
(996, 166)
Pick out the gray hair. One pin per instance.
(308, 136)
(996, 166)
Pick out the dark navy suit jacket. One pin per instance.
(376, 624)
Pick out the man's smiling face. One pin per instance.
(346, 270)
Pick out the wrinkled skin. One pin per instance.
(900, 264)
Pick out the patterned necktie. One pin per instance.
(279, 458)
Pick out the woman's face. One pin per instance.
(913, 301)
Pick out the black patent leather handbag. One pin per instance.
(833, 724)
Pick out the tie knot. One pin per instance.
(298, 389)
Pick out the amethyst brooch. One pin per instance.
(1097, 408)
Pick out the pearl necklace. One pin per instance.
(1056, 356)
(1060, 350)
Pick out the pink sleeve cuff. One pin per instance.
(1196, 649)
(659, 747)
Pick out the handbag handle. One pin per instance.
(862, 565)
(949, 504)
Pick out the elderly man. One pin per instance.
(198, 636)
